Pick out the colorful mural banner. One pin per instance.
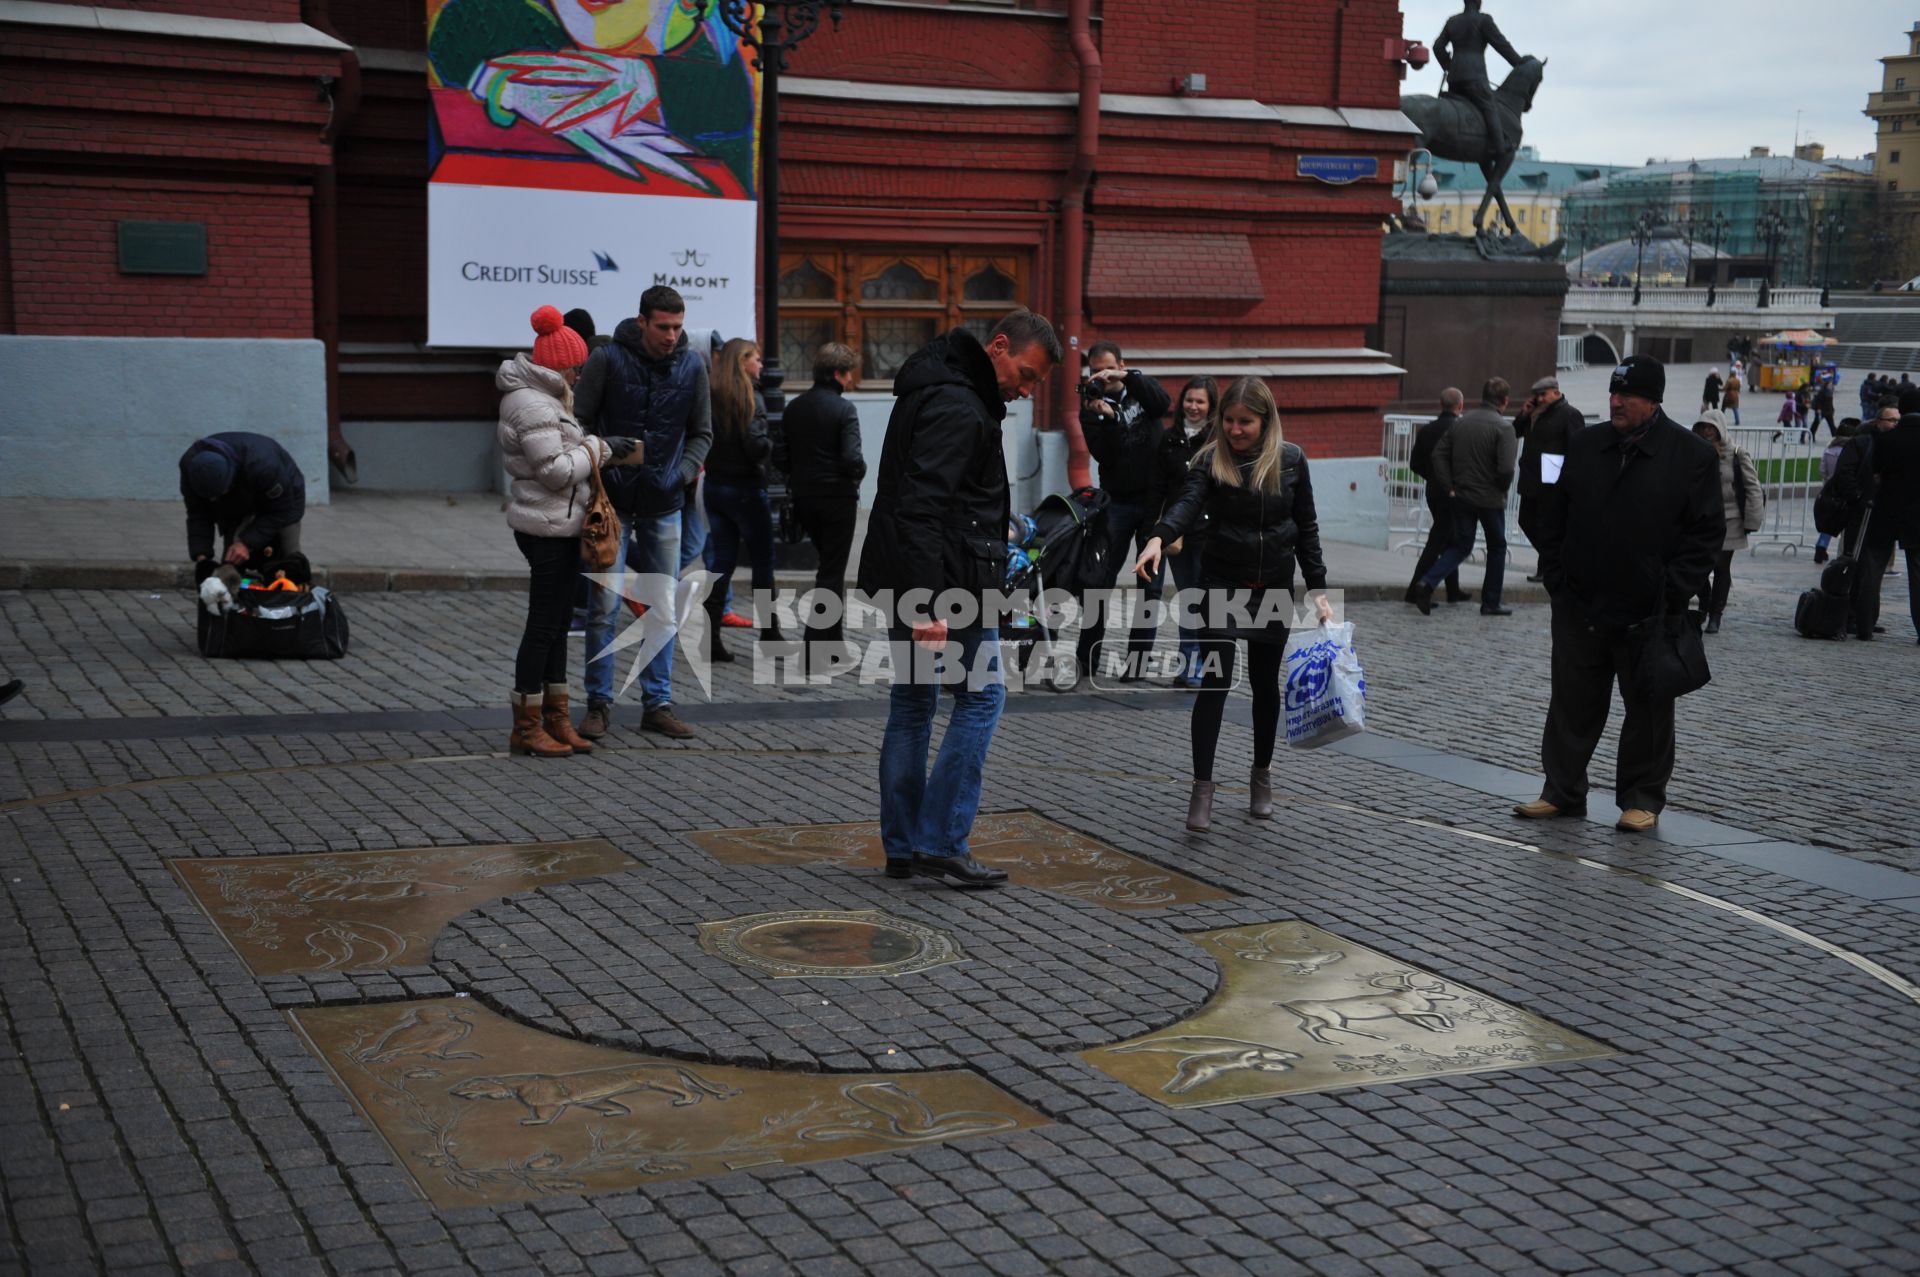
(581, 151)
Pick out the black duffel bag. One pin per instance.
(1669, 656)
(292, 624)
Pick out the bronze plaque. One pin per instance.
(1035, 851)
(829, 943)
(370, 910)
(480, 1109)
(1300, 1009)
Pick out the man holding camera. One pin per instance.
(1120, 414)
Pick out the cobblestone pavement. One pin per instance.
(1759, 1116)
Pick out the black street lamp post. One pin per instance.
(1715, 228)
(1770, 229)
(1832, 224)
(1642, 236)
(773, 29)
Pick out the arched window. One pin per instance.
(900, 283)
(806, 282)
(989, 284)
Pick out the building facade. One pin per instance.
(942, 161)
(1535, 189)
(1894, 233)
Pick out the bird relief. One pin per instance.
(653, 92)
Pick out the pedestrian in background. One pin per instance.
(1896, 510)
(1633, 537)
(1439, 504)
(549, 460)
(819, 449)
(1474, 463)
(247, 487)
(1710, 393)
(1848, 429)
(647, 384)
(1744, 503)
(1120, 413)
(1730, 397)
(1545, 424)
(1822, 407)
(738, 509)
(1256, 494)
(1198, 407)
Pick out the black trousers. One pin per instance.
(1586, 663)
(542, 659)
(1264, 663)
(1868, 578)
(1720, 583)
(1128, 524)
(1438, 539)
(829, 524)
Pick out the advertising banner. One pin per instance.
(582, 151)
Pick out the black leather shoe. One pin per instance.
(1496, 611)
(899, 867)
(964, 870)
(1423, 599)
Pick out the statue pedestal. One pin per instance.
(1453, 313)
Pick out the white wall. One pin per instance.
(110, 416)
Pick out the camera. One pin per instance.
(1091, 390)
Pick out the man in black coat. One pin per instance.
(1635, 533)
(936, 544)
(1439, 504)
(1896, 512)
(1547, 422)
(1120, 413)
(818, 449)
(248, 487)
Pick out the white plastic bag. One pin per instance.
(1326, 688)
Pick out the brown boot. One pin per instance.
(663, 720)
(558, 722)
(1200, 807)
(1260, 788)
(529, 737)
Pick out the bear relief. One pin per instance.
(548, 1095)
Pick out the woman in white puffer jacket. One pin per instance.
(550, 460)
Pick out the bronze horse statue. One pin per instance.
(1452, 129)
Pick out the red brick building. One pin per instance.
(940, 160)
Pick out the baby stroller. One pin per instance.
(1061, 547)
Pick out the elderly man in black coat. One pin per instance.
(1634, 534)
(1896, 511)
(248, 487)
(937, 538)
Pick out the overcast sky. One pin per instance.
(1632, 80)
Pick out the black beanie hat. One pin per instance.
(1910, 401)
(1640, 375)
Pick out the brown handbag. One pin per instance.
(600, 528)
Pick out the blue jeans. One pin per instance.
(1465, 521)
(1185, 568)
(933, 813)
(736, 512)
(648, 544)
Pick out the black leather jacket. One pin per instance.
(1253, 537)
(818, 446)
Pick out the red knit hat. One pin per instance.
(557, 346)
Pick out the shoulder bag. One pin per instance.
(600, 528)
(1669, 655)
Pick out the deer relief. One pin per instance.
(1403, 999)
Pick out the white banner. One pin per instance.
(496, 253)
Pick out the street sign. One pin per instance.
(1339, 170)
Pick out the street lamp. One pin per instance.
(1642, 236)
(1833, 225)
(773, 29)
(1770, 228)
(1715, 228)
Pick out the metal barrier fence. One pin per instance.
(1408, 519)
(1787, 461)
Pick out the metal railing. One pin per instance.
(1788, 462)
(1656, 299)
(1786, 459)
(1572, 353)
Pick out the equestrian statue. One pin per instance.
(1471, 121)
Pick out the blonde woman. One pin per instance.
(1253, 488)
(736, 491)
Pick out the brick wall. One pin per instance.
(66, 274)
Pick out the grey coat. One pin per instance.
(1475, 460)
